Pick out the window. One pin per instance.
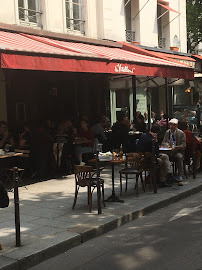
(74, 16)
(29, 12)
(20, 112)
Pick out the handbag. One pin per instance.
(4, 199)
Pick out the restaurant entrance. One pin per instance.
(121, 98)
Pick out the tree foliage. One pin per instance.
(194, 24)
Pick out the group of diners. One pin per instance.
(74, 141)
(43, 138)
(178, 139)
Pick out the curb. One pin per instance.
(84, 234)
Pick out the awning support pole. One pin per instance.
(167, 105)
(134, 96)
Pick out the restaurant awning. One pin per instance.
(167, 7)
(29, 52)
(176, 58)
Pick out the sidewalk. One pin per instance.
(49, 226)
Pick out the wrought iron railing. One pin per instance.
(30, 16)
(75, 25)
(162, 42)
(130, 35)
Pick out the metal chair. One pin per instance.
(133, 166)
(84, 178)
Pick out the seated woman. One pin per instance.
(86, 143)
(25, 138)
(163, 121)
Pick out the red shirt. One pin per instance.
(88, 135)
(189, 142)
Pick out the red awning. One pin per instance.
(22, 51)
(168, 8)
(198, 56)
(178, 59)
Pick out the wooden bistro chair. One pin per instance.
(84, 178)
(133, 166)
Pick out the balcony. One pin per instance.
(130, 35)
(162, 42)
(75, 26)
(30, 17)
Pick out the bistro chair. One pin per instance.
(133, 166)
(190, 158)
(84, 178)
(148, 169)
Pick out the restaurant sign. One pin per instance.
(119, 68)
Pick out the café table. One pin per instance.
(11, 154)
(113, 197)
(165, 149)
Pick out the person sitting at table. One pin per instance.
(145, 145)
(176, 138)
(87, 143)
(120, 132)
(25, 137)
(188, 150)
(68, 152)
(140, 125)
(105, 122)
(163, 121)
(41, 152)
(5, 135)
(98, 131)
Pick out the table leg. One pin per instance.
(113, 197)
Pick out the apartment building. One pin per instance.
(154, 23)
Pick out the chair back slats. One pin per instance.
(83, 175)
(135, 160)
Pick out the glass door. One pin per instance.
(121, 100)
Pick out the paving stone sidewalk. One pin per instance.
(50, 226)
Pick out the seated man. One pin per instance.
(177, 139)
(145, 145)
(120, 131)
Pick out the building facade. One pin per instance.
(154, 23)
(150, 23)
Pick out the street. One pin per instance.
(169, 238)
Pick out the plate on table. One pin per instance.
(165, 149)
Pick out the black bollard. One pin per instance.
(194, 157)
(17, 207)
(198, 117)
(98, 184)
(154, 165)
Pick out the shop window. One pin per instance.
(74, 16)
(29, 12)
(20, 112)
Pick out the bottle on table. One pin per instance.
(121, 152)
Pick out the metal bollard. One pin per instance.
(17, 207)
(98, 185)
(154, 165)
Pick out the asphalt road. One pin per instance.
(167, 239)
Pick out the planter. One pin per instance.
(136, 42)
(176, 49)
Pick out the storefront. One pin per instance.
(46, 78)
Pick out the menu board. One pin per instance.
(141, 100)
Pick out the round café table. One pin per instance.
(113, 197)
